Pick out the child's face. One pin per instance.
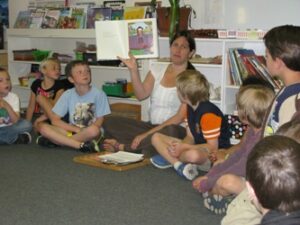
(5, 84)
(81, 75)
(52, 70)
(183, 99)
(270, 63)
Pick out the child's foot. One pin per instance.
(42, 141)
(23, 138)
(188, 171)
(160, 162)
(217, 203)
(112, 145)
(88, 147)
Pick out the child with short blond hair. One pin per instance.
(13, 129)
(207, 129)
(45, 91)
(227, 178)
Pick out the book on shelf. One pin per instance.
(234, 70)
(114, 4)
(51, 18)
(37, 17)
(23, 19)
(117, 14)
(134, 12)
(78, 14)
(97, 14)
(65, 21)
(120, 37)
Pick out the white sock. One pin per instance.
(177, 164)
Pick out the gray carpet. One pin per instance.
(44, 186)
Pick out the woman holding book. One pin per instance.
(166, 111)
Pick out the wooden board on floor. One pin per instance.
(93, 160)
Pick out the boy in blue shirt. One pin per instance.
(86, 107)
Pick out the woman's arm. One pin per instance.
(142, 90)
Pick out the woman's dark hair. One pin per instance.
(188, 36)
(192, 44)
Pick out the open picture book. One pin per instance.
(121, 37)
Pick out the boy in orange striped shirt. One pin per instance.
(207, 129)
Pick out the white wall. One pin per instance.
(229, 14)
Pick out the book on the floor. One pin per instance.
(120, 37)
(121, 158)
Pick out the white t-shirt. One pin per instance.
(164, 102)
(13, 100)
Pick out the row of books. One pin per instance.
(244, 62)
(76, 17)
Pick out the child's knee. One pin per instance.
(155, 138)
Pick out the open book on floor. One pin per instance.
(120, 37)
(121, 158)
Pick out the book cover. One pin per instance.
(37, 18)
(64, 21)
(23, 19)
(79, 15)
(114, 4)
(117, 14)
(97, 14)
(51, 18)
(138, 37)
(135, 12)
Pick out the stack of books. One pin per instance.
(244, 62)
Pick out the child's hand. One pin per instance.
(212, 156)
(196, 183)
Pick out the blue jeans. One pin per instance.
(9, 134)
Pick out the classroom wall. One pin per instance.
(228, 14)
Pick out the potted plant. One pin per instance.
(171, 19)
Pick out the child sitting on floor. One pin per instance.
(13, 129)
(227, 178)
(273, 177)
(207, 129)
(86, 107)
(45, 91)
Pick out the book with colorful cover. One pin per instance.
(79, 13)
(117, 38)
(135, 12)
(23, 19)
(37, 17)
(65, 21)
(117, 14)
(97, 14)
(51, 18)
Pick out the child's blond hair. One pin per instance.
(253, 102)
(193, 85)
(290, 129)
(47, 62)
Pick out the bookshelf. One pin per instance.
(64, 41)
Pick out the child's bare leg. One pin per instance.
(194, 156)
(161, 142)
(229, 184)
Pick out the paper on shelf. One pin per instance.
(121, 158)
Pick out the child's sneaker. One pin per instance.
(160, 162)
(88, 147)
(188, 171)
(217, 203)
(42, 141)
(23, 138)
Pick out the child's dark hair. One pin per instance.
(192, 44)
(273, 170)
(72, 64)
(254, 80)
(283, 42)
